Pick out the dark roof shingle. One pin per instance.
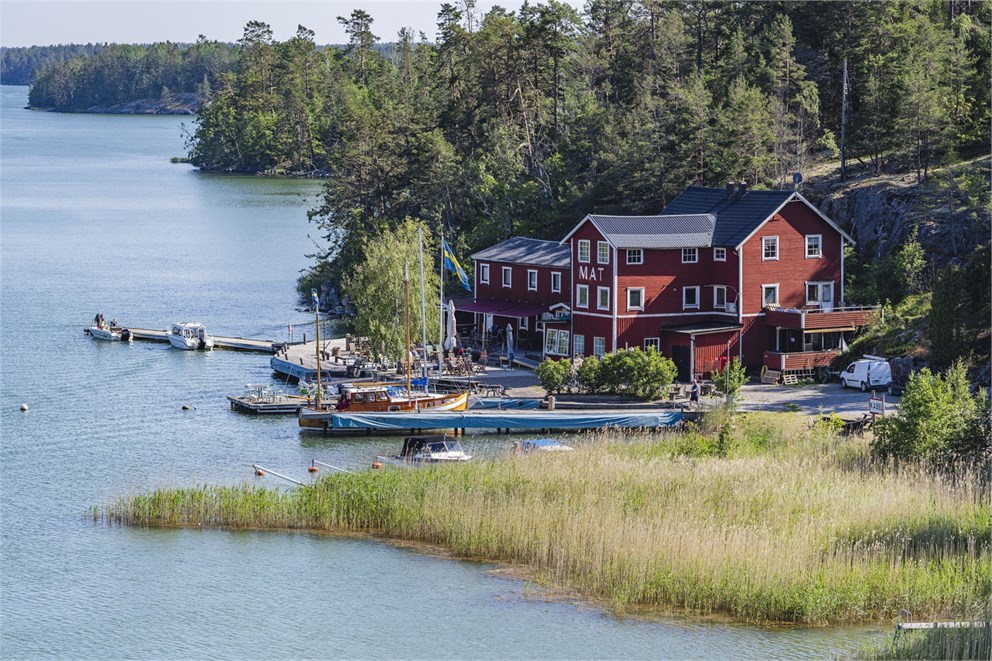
(737, 216)
(521, 250)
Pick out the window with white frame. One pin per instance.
(599, 346)
(563, 343)
(690, 297)
(555, 282)
(635, 298)
(507, 276)
(814, 246)
(602, 252)
(584, 250)
(603, 298)
(531, 280)
(690, 255)
(525, 323)
(719, 254)
(719, 297)
(539, 327)
(484, 273)
(579, 345)
(635, 256)
(819, 293)
(769, 295)
(556, 342)
(582, 296)
(769, 248)
(652, 343)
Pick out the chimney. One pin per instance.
(741, 189)
(730, 189)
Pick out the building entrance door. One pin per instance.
(680, 356)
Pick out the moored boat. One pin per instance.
(382, 398)
(438, 449)
(189, 336)
(111, 334)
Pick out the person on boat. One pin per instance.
(113, 322)
(98, 320)
(342, 402)
(694, 394)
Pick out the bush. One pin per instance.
(587, 374)
(730, 379)
(553, 374)
(939, 420)
(643, 374)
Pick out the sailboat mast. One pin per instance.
(316, 318)
(423, 303)
(440, 342)
(406, 309)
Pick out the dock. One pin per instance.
(517, 421)
(220, 342)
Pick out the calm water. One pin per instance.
(95, 218)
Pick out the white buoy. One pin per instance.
(24, 407)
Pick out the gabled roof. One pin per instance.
(739, 216)
(669, 231)
(521, 250)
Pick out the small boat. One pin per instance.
(189, 336)
(111, 334)
(431, 450)
(543, 445)
(382, 398)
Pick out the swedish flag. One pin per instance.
(451, 264)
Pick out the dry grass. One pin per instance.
(793, 525)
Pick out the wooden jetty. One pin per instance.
(515, 421)
(220, 342)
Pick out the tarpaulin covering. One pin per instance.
(500, 420)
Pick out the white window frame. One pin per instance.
(539, 327)
(600, 291)
(818, 243)
(579, 291)
(551, 341)
(635, 252)
(719, 254)
(585, 246)
(685, 304)
(719, 289)
(640, 291)
(690, 255)
(652, 342)
(531, 275)
(525, 323)
(819, 291)
(599, 346)
(767, 242)
(764, 302)
(578, 345)
(602, 252)
(507, 277)
(556, 282)
(484, 274)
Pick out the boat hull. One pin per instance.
(108, 335)
(320, 419)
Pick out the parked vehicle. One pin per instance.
(869, 373)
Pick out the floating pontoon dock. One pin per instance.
(342, 423)
(237, 343)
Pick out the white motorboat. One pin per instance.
(190, 336)
(111, 334)
(440, 449)
(542, 445)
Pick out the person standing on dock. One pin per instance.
(694, 395)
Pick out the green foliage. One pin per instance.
(939, 421)
(587, 374)
(553, 374)
(641, 374)
(731, 378)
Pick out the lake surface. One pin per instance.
(96, 219)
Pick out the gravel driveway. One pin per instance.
(809, 397)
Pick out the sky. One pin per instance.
(45, 22)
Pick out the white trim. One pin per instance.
(819, 246)
(691, 261)
(575, 337)
(638, 250)
(778, 252)
(507, 282)
(722, 288)
(554, 289)
(718, 259)
(792, 198)
(483, 268)
(697, 304)
(656, 345)
(523, 323)
(598, 337)
(529, 273)
(841, 300)
(777, 292)
(578, 251)
(576, 313)
(658, 315)
(577, 304)
(637, 289)
(599, 298)
(599, 250)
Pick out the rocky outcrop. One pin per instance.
(173, 104)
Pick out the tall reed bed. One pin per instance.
(779, 530)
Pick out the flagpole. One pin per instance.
(406, 289)
(423, 304)
(440, 343)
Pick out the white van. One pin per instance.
(869, 373)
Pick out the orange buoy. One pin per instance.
(313, 469)
(377, 465)
(259, 472)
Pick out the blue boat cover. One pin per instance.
(498, 420)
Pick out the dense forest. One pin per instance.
(519, 123)
(118, 73)
(17, 65)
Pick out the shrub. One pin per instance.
(730, 379)
(553, 374)
(643, 374)
(587, 374)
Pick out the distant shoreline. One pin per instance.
(174, 104)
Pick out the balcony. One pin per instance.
(800, 361)
(816, 319)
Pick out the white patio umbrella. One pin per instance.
(451, 341)
(509, 342)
